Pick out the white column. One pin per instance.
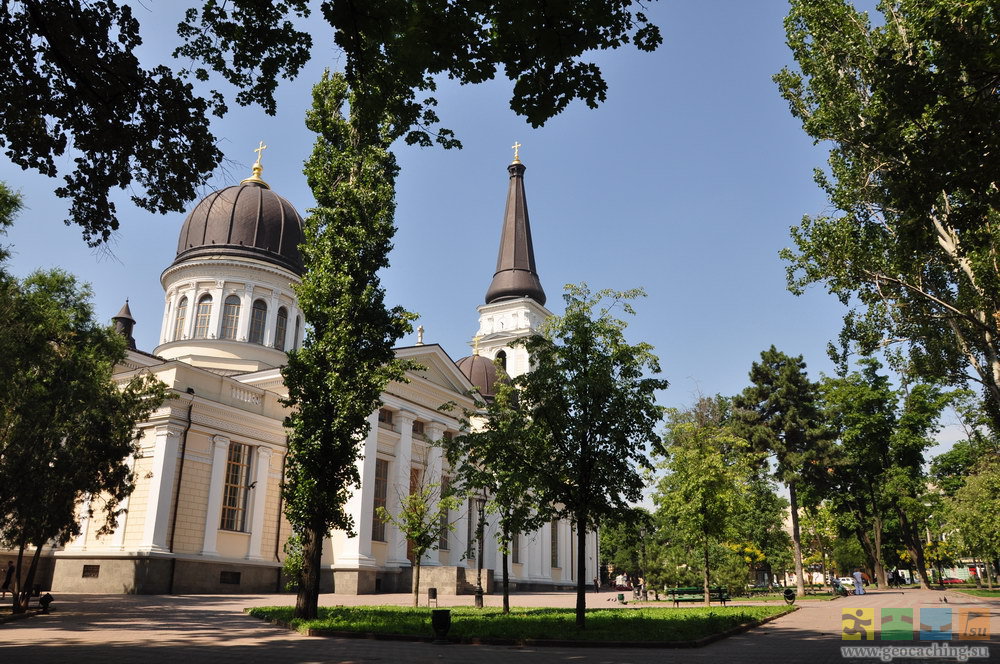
(357, 551)
(119, 534)
(271, 323)
(215, 318)
(259, 502)
(213, 512)
(396, 554)
(161, 489)
(170, 300)
(432, 475)
(192, 312)
(246, 304)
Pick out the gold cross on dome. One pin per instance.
(260, 150)
(516, 146)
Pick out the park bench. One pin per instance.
(678, 595)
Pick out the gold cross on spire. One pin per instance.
(475, 347)
(516, 146)
(257, 169)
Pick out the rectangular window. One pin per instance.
(555, 542)
(418, 428)
(202, 316)
(385, 418)
(180, 319)
(230, 317)
(232, 578)
(515, 548)
(234, 496)
(443, 540)
(381, 491)
(91, 571)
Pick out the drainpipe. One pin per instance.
(177, 493)
(277, 530)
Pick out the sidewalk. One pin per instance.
(199, 628)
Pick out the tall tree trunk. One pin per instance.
(307, 601)
(793, 501)
(506, 581)
(975, 565)
(581, 571)
(915, 547)
(416, 578)
(705, 576)
(880, 576)
(24, 590)
(989, 574)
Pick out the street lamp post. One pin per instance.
(481, 505)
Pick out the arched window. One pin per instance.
(298, 325)
(230, 317)
(202, 315)
(281, 326)
(180, 318)
(502, 357)
(258, 317)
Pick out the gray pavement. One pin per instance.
(203, 628)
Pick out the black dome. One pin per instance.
(481, 372)
(247, 220)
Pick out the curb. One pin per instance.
(558, 643)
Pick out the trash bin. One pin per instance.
(432, 596)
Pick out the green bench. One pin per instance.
(678, 595)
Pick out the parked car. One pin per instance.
(951, 579)
(846, 580)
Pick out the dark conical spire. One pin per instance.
(515, 275)
(124, 324)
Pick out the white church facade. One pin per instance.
(207, 516)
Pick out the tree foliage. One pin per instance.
(336, 379)
(779, 415)
(973, 510)
(75, 86)
(422, 519)
(704, 493)
(498, 456)
(593, 405)
(66, 427)
(909, 105)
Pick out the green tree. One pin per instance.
(972, 512)
(498, 456)
(950, 469)
(593, 407)
(335, 380)
(625, 542)
(66, 427)
(703, 494)
(780, 416)
(909, 107)
(422, 518)
(74, 84)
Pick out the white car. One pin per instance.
(846, 580)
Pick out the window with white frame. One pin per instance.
(280, 328)
(230, 317)
(381, 492)
(555, 542)
(180, 318)
(236, 489)
(258, 319)
(202, 315)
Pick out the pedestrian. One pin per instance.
(597, 585)
(8, 579)
(859, 585)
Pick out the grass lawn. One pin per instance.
(976, 592)
(618, 624)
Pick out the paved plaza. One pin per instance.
(198, 628)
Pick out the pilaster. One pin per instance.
(259, 502)
(213, 512)
(357, 551)
(161, 488)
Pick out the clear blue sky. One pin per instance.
(684, 182)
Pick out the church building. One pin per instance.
(206, 515)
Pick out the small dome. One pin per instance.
(247, 220)
(480, 372)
